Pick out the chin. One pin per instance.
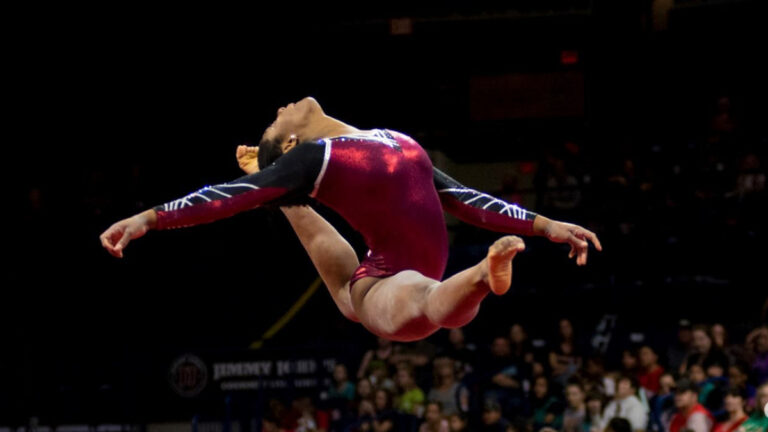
(312, 104)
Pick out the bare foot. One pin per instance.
(248, 158)
(499, 260)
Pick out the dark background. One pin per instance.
(112, 111)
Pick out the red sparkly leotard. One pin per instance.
(382, 183)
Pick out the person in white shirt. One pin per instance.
(626, 404)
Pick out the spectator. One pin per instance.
(662, 404)
(365, 417)
(738, 376)
(679, 351)
(433, 419)
(575, 413)
(757, 344)
(546, 408)
(364, 389)
(649, 371)
(446, 388)
(734, 408)
(758, 421)
(522, 349)
(372, 358)
(564, 359)
(691, 415)
(307, 417)
(385, 419)
(380, 377)
(629, 362)
(461, 351)
(502, 377)
(492, 418)
(626, 404)
(697, 375)
(704, 352)
(719, 336)
(411, 398)
(595, 378)
(457, 423)
(342, 387)
(713, 390)
(594, 417)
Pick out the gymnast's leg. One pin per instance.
(410, 306)
(333, 257)
(407, 306)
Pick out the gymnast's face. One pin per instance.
(293, 121)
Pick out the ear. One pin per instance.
(290, 143)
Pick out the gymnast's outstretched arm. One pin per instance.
(290, 176)
(483, 210)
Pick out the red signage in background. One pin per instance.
(569, 57)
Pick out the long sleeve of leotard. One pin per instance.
(293, 173)
(481, 209)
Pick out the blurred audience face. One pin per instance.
(715, 371)
(648, 358)
(500, 347)
(432, 414)
(733, 403)
(566, 329)
(404, 379)
(696, 373)
(718, 335)
(624, 388)
(491, 416)
(366, 408)
(685, 400)
(666, 384)
(594, 407)
(456, 336)
(701, 341)
(384, 343)
(575, 396)
(736, 376)
(761, 341)
(381, 400)
(517, 334)
(456, 423)
(340, 373)
(443, 367)
(364, 388)
(628, 360)
(540, 387)
(762, 395)
(537, 369)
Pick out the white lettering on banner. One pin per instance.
(283, 367)
(268, 368)
(224, 370)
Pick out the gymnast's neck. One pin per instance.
(328, 127)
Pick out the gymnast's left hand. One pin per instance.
(574, 235)
(116, 237)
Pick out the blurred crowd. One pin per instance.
(699, 382)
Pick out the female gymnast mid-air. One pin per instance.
(383, 183)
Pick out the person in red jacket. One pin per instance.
(735, 401)
(691, 415)
(383, 183)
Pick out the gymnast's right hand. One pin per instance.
(116, 237)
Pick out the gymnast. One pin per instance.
(383, 183)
